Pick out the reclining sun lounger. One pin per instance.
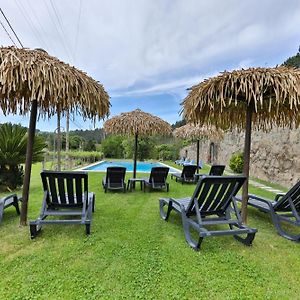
(187, 174)
(212, 203)
(157, 179)
(65, 194)
(284, 209)
(114, 179)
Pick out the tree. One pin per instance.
(166, 151)
(293, 61)
(144, 149)
(112, 146)
(90, 146)
(13, 142)
(178, 124)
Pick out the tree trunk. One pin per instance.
(28, 163)
(247, 148)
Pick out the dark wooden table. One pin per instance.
(131, 183)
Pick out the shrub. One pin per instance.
(112, 146)
(13, 143)
(166, 152)
(236, 162)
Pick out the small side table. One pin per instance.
(131, 183)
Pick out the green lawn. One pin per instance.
(133, 254)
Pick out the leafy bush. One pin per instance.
(166, 152)
(11, 177)
(145, 147)
(236, 162)
(13, 146)
(112, 146)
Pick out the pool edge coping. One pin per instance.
(101, 161)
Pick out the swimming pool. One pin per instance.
(142, 166)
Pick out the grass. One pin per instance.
(133, 254)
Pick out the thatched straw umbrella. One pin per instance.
(137, 123)
(261, 97)
(196, 132)
(31, 80)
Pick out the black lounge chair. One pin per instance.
(157, 179)
(212, 203)
(215, 170)
(187, 174)
(11, 200)
(114, 179)
(284, 209)
(65, 194)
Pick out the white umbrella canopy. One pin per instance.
(255, 97)
(33, 81)
(137, 123)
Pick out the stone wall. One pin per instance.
(275, 156)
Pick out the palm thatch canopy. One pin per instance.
(27, 75)
(32, 80)
(137, 122)
(274, 94)
(195, 132)
(256, 97)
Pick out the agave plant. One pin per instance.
(13, 141)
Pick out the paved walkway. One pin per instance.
(261, 186)
(265, 187)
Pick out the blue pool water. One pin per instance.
(144, 167)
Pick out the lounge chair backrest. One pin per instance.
(294, 194)
(115, 175)
(158, 175)
(217, 170)
(214, 194)
(188, 172)
(67, 189)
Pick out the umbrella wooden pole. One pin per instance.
(135, 154)
(58, 141)
(198, 146)
(28, 163)
(247, 149)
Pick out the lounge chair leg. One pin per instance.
(247, 240)
(93, 204)
(88, 229)
(186, 228)
(16, 205)
(162, 203)
(283, 233)
(34, 230)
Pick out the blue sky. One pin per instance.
(147, 53)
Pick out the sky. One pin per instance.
(146, 53)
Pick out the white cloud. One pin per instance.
(123, 41)
(148, 47)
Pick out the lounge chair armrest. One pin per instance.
(269, 202)
(278, 196)
(9, 197)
